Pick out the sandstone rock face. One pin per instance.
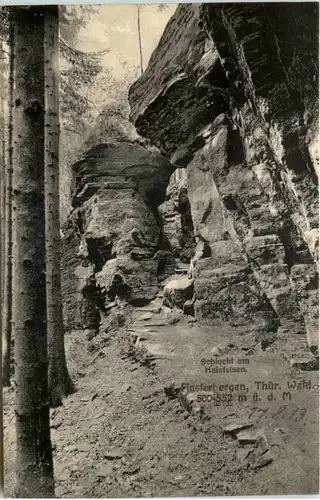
(112, 250)
(230, 94)
(176, 219)
(122, 165)
(177, 292)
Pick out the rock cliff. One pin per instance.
(230, 96)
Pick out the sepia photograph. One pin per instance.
(159, 227)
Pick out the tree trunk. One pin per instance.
(7, 298)
(139, 36)
(60, 383)
(34, 466)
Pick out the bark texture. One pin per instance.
(7, 250)
(60, 383)
(34, 466)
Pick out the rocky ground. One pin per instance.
(212, 387)
(132, 429)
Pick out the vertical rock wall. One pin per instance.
(230, 95)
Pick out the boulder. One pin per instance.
(177, 292)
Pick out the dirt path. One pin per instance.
(119, 435)
(130, 431)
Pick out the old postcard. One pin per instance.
(159, 249)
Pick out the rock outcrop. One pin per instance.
(113, 247)
(230, 94)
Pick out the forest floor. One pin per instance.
(130, 431)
